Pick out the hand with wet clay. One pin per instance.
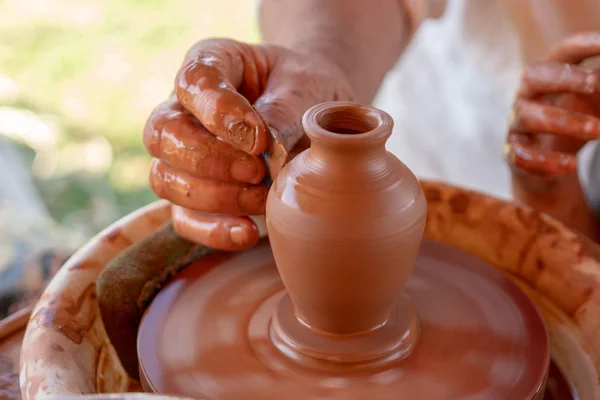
(557, 109)
(234, 105)
(552, 144)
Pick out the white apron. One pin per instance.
(450, 96)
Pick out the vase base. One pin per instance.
(391, 341)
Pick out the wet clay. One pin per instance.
(322, 309)
(224, 128)
(556, 112)
(208, 335)
(345, 219)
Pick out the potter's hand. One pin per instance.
(559, 97)
(230, 100)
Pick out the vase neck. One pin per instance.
(348, 142)
(346, 128)
(370, 157)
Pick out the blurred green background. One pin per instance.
(78, 78)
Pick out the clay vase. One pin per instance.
(345, 220)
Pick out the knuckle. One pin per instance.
(345, 93)
(208, 44)
(159, 120)
(187, 76)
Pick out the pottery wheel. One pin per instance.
(207, 335)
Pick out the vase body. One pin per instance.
(345, 219)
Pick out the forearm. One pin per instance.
(543, 23)
(364, 39)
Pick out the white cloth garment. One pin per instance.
(450, 96)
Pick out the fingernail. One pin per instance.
(242, 134)
(245, 171)
(238, 236)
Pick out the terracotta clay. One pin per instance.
(208, 335)
(191, 162)
(558, 269)
(233, 115)
(345, 221)
(558, 387)
(556, 112)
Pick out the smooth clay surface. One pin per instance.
(207, 335)
(345, 219)
(558, 388)
(559, 270)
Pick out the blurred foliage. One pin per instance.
(91, 71)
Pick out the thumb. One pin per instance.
(208, 86)
(282, 109)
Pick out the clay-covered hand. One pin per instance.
(557, 109)
(234, 105)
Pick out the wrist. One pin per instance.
(342, 65)
(344, 71)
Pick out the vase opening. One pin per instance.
(349, 121)
(347, 124)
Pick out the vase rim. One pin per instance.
(346, 123)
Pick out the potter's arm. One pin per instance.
(363, 38)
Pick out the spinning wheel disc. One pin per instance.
(207, 335)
